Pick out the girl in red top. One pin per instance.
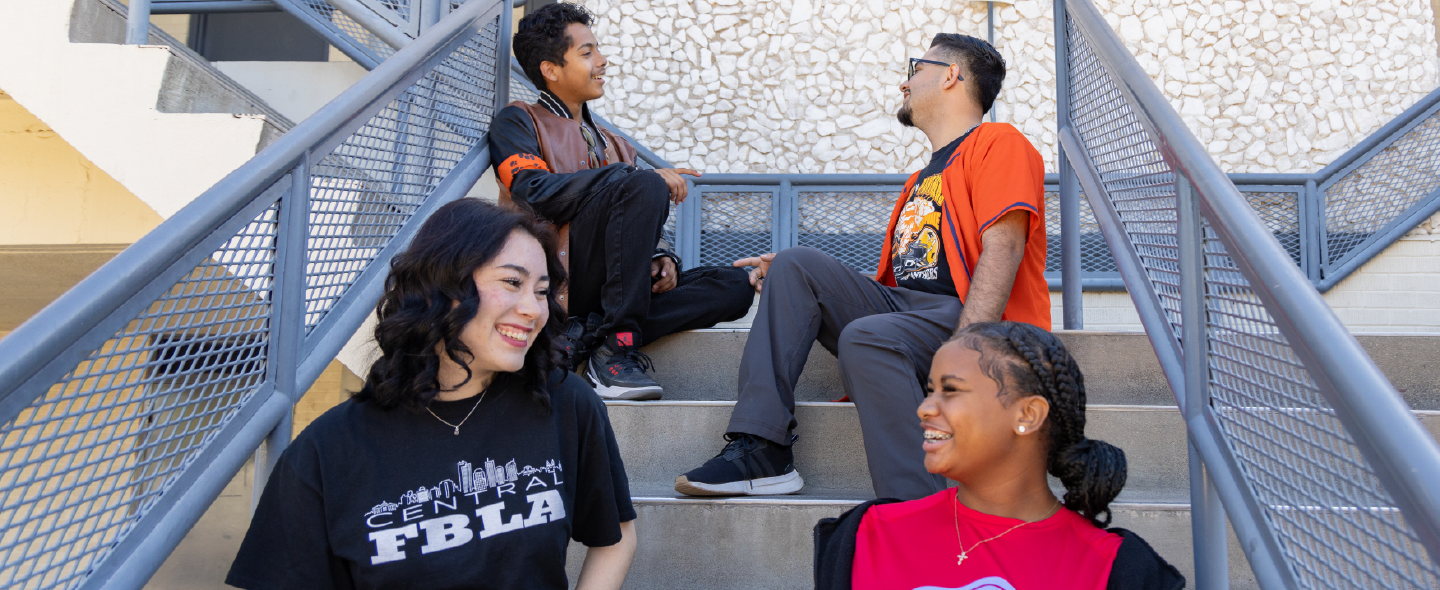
(1006, 405)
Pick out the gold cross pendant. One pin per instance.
(961, 559)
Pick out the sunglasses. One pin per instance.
(915, 61)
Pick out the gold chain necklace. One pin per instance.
(462, 420)
(964, 553)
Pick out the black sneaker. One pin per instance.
(749, 466)
(573, 351)
(617, 370)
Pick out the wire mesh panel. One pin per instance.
(1336, 526)
(323, 15)
(1136, 179)
(734, 225)
(84, 462)
(364, 191)
(848, 224)
(1336, 523)
(1280, 210)
(1372, 196)
(1094, 252)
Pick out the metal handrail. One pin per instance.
(252, 252)
(1209, 208)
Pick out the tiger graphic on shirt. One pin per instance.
(917, 233)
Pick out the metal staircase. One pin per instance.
(128, 403)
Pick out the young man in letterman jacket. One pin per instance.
(965, 244)
(625, 286)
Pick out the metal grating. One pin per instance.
(1280, 210)
(1140, 185)
(847, 224)
(734, 225)
(326, 16)
(1095, 254)
(1370, 197)
(364, 191)
(1336, 523)
(84, 462)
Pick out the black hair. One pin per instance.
(541, 37)
(1026, 360)
(985, 66)
(430, 296)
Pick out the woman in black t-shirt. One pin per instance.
(467, 460)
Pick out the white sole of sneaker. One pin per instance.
(623, 393)
(765, 486)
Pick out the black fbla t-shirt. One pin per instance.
(918, 257)
(366, 498)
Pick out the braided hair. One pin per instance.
(1026, 360)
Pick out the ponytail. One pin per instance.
(1092, 471)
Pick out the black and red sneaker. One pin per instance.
(617, 369)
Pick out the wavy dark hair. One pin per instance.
(985, 65)
(430, 296)
(541, 37)
(1025, 360)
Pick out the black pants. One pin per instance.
(612, 240)
(884, 337)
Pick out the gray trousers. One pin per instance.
(884, 338)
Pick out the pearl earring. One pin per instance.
(1022, 430)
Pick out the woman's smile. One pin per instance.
(517, 336)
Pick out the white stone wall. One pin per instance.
(812, 85)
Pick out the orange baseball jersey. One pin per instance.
(994, 171)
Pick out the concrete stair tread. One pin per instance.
(1120, 367)
(653, 492)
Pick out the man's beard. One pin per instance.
(904, 116)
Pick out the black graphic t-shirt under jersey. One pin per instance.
(366, 498)
(919, 258)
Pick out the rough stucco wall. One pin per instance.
(812, 85)
(51, 194)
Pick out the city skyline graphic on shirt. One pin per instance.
(471, 479)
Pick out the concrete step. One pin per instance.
(1120, 367)
(661, 440)
(766, 543)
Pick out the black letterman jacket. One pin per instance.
(515, 154)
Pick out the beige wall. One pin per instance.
(51, 194)
(1396, 291)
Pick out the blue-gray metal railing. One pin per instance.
(211, 6)
(133, 399)
(137, 22)
(1328, 232)
(1326, 477)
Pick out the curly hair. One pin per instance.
(1026, 360)
(541, 37)
(430, 296)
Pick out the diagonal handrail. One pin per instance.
(132, 400)
(1261, 364)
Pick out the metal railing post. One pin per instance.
(287, 319)
(503, 60)
(429, 14)
(137, 23)
(1313, 231)
(1207, 516)
(1072, 299)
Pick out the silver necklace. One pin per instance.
(462, 420)
(965, 553)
